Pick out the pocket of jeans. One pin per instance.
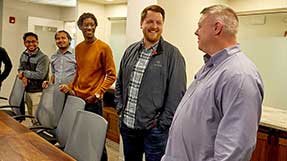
(158, 131)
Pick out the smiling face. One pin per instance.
(88, 28)
(152, 26)
(62, 41)
(31, 43)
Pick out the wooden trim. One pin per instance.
(260, 12)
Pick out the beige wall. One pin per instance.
(68, 14)
(12, 33)
(249, 5)
(1, 12)
(262, 39)
(99, 11)
(102, 13)
(180, 24)
(119, 10)
(133, 30)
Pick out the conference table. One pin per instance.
(18, 143)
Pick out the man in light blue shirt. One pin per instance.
(218, 117)
(63, 62)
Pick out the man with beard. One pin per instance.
(33, 70)
(151, 82)
(63, 62)
(95, 68)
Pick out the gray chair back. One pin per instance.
(16, 95)
(65, 125)
(87, 139)
(51, 106)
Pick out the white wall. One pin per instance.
(119, 10)
(133, 30)
(1, 12)
(99, 11)
(12, 33)
(102, 12)
(249, 5)
(180, 24)
(68, 14)
(265, 44)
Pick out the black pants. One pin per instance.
(98, 109)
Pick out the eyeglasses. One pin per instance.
(89, 25)
(32, 42)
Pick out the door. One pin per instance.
(118, 39)
(45, 29)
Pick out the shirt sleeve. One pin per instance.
(109, 65)
(118, 93)
(52, 63)
(240, 102)
(176, 88)
(8, 65)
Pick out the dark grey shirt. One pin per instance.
(217, 119)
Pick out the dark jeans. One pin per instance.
(98, 109)
(136, 142)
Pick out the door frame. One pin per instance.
(33, 21)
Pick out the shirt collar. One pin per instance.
(221, 55)
(69, 51)
(31, 53)
(153, 48)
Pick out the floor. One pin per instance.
(113, 150)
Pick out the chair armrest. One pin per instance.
(20, 118)
(41, 129)
(9, 106)
(23, 116)
(3, 98)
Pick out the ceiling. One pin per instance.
(65, 3)
(72, 3)
(106, 2)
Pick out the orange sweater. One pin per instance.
(95, 69)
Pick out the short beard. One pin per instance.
(63, 48)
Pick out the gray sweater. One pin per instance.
(35, 67)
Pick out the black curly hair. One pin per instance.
(85, 16)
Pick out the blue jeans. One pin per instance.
(136, 142)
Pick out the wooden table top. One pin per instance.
(18, 143)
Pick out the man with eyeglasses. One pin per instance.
(95, 71)
(33, 70)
